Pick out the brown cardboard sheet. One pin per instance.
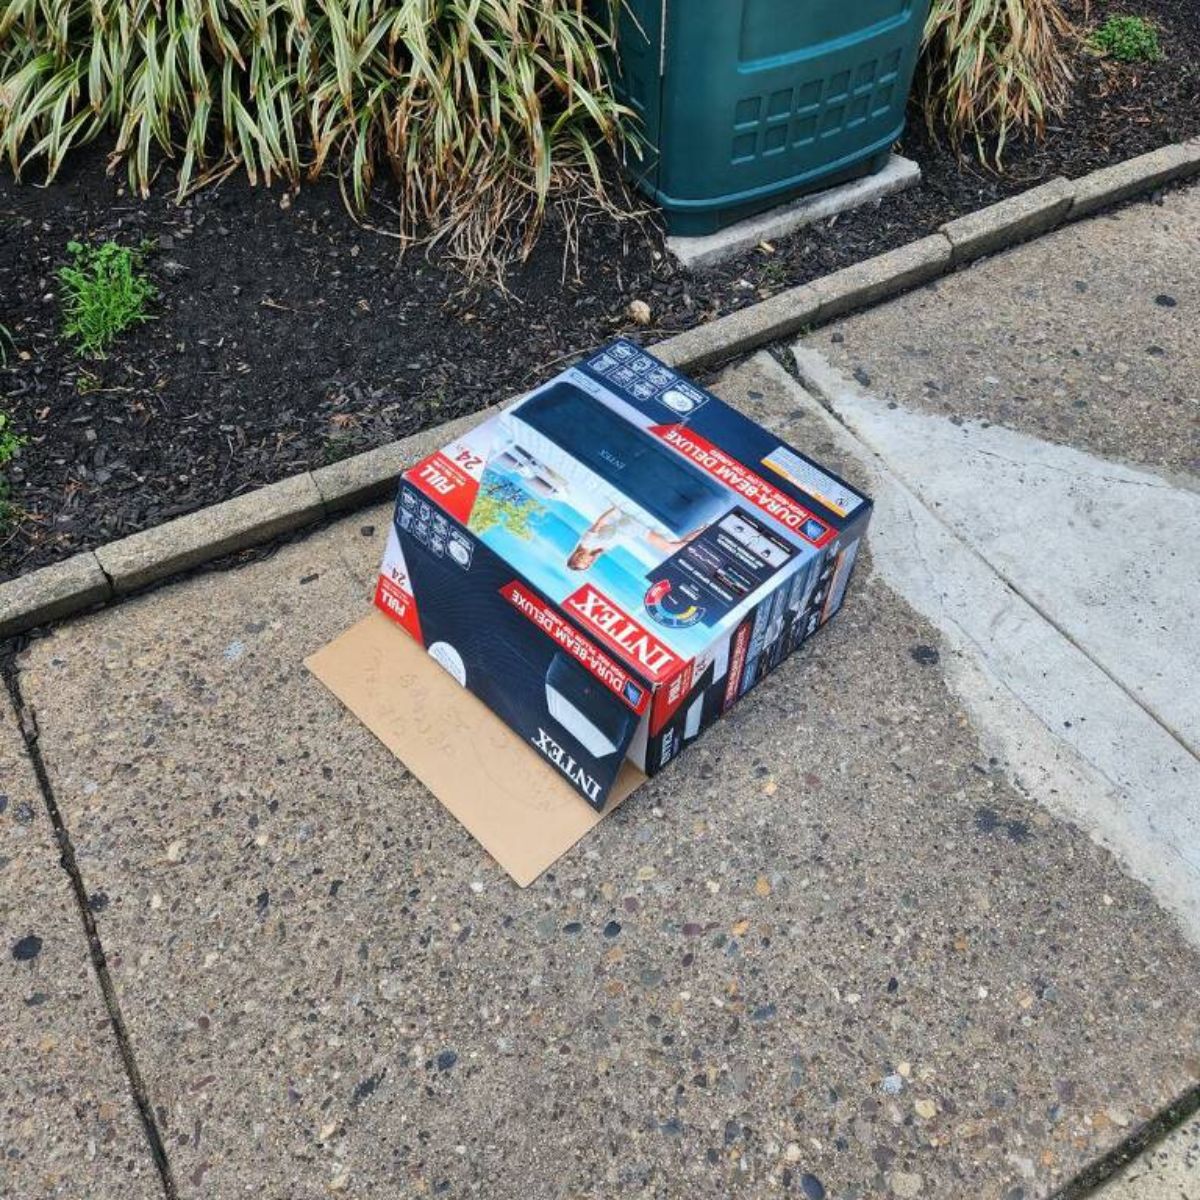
(523, 813)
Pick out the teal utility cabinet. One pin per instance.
(746, 103)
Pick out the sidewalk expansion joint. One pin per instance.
(785, 358)
(27, 723)
(1143, 1139)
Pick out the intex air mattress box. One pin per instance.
(612, 561)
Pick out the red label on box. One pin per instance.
(448, 484)
(586, 653)
(396, 602)
(737, 662)
(668, 699)
(753, 488)
(620, 632)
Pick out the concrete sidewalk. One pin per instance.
(865, 939)
(1168, 1171)
(1042, 427)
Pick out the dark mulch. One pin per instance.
(288, 336)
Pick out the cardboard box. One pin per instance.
(614, 560)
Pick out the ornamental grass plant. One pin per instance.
(994, 68)
(484, 111)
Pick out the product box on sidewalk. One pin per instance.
(614, 560)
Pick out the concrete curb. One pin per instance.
(55, 591)
(134, 562)
(799, 308)
(146, 557)
(1111, 185)
(1010, 221)
(885, 275)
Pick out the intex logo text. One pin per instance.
(622, 631)
(589, 786)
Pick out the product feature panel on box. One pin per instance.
(645, 378)
(715, 571)
(438, 535)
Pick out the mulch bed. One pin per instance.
(288, 336)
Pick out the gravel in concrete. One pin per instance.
(68, 1124)
(1089, 336)
(831, 950)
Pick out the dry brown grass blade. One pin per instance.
(993, 68)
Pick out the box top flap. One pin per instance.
(729, 446)
(651, 512)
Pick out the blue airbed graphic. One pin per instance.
(588, 448)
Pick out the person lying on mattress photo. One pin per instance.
(614, 527)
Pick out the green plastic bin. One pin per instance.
(747, 103)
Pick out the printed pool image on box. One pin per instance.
(615, 559)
